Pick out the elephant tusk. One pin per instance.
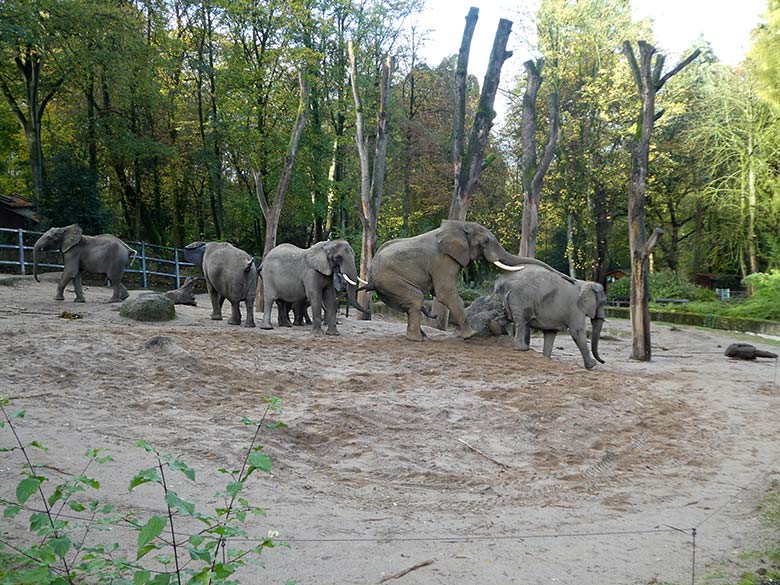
(349, 280)
(362, 281)
(503, 266)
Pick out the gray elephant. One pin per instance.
(230, 274)
(405, 270)
(297, 275)
(535, 298)
(103, 254)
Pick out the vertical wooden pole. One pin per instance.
(21, 251)
(143, 262)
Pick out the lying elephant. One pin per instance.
(297, 275)
(103, 254)
(230, 274)
(536, 298)
(403, 271)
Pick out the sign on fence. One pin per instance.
(163, 258)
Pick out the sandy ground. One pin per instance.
(497, 466)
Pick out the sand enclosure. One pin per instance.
(494, 465)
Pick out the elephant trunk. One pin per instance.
(36, 249)
(352, 297)
(595, 335)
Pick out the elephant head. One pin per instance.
(336, 257)
(194, 253)
(62, 239)
(591, 301)
(467, 240)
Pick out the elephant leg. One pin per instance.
(235, 313)
(283, 314)
(77, 287)
(269, 298)
(581, 339)
(315, 300)
(123, 292)
(522, 334)
(549, 339)
(250, 310)
(216, 302)
(448, 295)
(68, 274)
(329, 302)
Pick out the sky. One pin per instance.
(726, 24)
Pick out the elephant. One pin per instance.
(300, 309)
(403, 271)
(230, 274)
(297, 275)
(535, 298)
(103, 254)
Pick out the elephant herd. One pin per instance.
(403, 272)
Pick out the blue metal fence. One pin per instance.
(151, 260)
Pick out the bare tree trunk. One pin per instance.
(372, 177)
(468, 166)
(647, 75)
(533, 173)
(273, 212)
(570, 244)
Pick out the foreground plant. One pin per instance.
(62, 545)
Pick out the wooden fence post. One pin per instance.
(21, 251)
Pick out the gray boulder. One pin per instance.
(148, 306)
(486, 315)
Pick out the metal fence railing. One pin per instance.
(151, 261)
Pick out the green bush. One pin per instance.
(664, 285)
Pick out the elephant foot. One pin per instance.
(234, 322)
(521, 347)
(418, 337)
(266, 326)
(80, 300)
(216, 317)
(317, 332)
(114, 300)
(59, 298)
(332, 332)
(249, 324)
(125, 295)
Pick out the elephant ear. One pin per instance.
(453, 241)
(71, 236)
(590, 299)
(317, 259)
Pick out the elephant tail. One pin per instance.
(133, 253)
(249, 265)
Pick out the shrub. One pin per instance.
(664, 285)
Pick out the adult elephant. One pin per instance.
(535, 298)
(103, 254)
(230, 274)
(296, 275)
(405, 270)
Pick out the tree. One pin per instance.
(648, 79)
(372, 169)
(534, 170)
(765, 54)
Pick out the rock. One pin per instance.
(148, 307)
(184, 294)
(486, 316)
(745, 351)
(164, 344)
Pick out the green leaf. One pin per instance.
(223, 571)
(161, 579)
(18, 414)
(11, 511)
(198, 554)
(144, 476)
(37, 445)
(60, 546)
(175, 502)
(144, 550)
(107, 509)
(146, 447)
(27, 487)
(39, 521)
(151, 530)
(184, 468)
(55, 496)
(249, 422)
(278, 425)
(91, 482)
(233, 488)
(202, 577)
(141, 577)
(260, 461)
(76, 506)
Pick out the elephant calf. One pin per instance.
(536, 298)
(103, 254)
(230, 274)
